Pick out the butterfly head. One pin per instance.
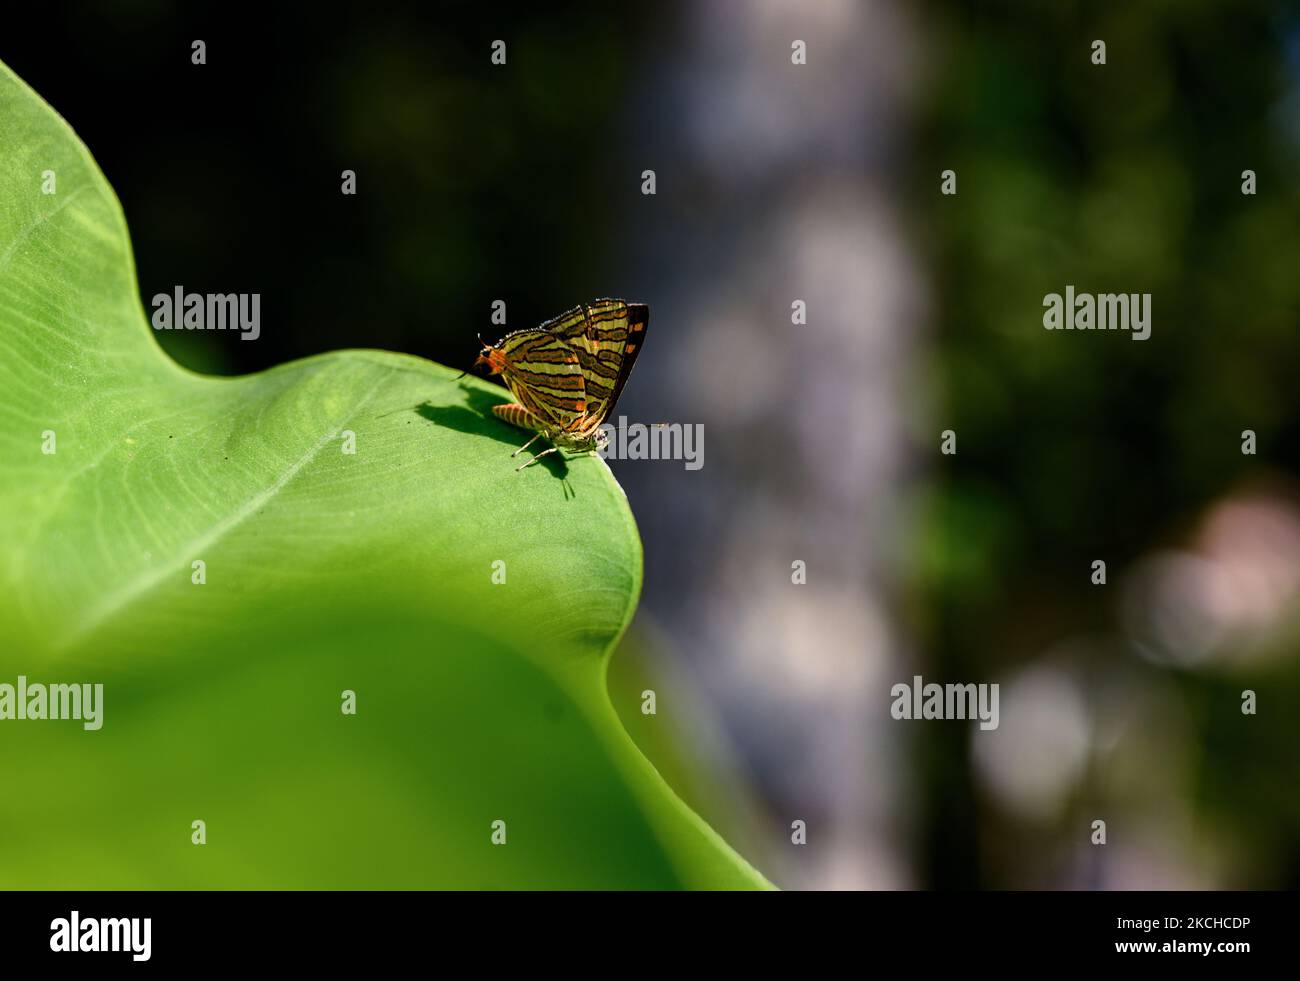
(493, 358)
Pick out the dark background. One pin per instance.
(475, 182)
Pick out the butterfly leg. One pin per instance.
(518, 415)
(526, 445)
(553, 449)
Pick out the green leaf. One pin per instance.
(325, 571)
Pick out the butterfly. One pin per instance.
(567, 373)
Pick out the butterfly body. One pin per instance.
(567, 374)
(581, 442)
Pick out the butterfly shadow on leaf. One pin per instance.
(479, 420)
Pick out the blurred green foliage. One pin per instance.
(1074, 446)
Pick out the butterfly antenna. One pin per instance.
(467, 370)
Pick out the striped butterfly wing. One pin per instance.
(607, 336)
(544, 375)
